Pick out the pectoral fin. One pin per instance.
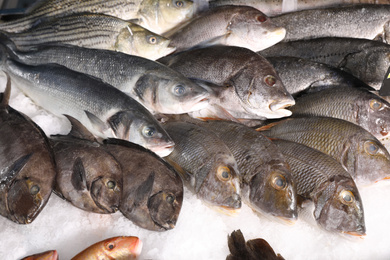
(78, 178)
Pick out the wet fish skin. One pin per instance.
(249, 85)
(48, 255)
(153, 192)
(242, 26)
(323, 180)
(202, 159)
(94, 31)
(360, 153)
(27, 165)
(119, 248)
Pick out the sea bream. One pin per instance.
(94, 31)
(27, 165)
(242, 26)
(159, 88)
(104, 110)
(156, 15)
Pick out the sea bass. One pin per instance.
(322, 179)
(27, 165)
(242, 26)
(153, 192)
(118, 248)
(360, 153)
(104, 110)
(88, 176)
(156, 15)
(249, 85)
(48, 255)
(96, 31)
(206, 165)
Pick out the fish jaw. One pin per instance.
(163, 151)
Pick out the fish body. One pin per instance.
(118, 248)
(27, 165)
(88, 176)
(322, 179)
(242, 26)
(360, 153)
(153, 192)
(249, 85)
(48, 255)
(94, 31)
(206, 165)
(104, 110)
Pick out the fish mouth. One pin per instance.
(201, 103)
(360, 234)
(137, 247)
(279, 109)
(163, 151)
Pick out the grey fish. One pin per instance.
(250, 86)
(94, 31)
(27, 165)
(355, 21)
(242, 26)
(206, 165)
(360, 153)
(156, 15)
(157, 87)
(322, 179)
(88, 176)
(153, 192)
(104, 110)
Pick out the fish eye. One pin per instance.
(152, 39)
(270, 80)
(261, 18)
(148, 131)
(223, 173)
(170, 198)
(375, 104)
(110, 246)
(179, 4)
(347, 197)
(111, 184)
(179, 90)
(278, 181)
(371, 147)
(34, 190)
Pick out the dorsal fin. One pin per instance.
(7, 92)
(78, 130)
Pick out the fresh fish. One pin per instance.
(118, 248)
(360, 153)
(355, 21)
(242, 26)
(153, 192)
(88, 177)
(156, 15)
(254, 249)
(104, 110)
(249, 85)
(27, 171)
(96, 31)
(364, 59)
(157, 87)
(357, 106)
(206, 165)
(48, 255)
(322, 179)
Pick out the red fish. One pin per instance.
(48, 255)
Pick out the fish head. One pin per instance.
(136, 40)
(48, 255)
(272, 191)
(124, 247)
(338, 206)
(106, 193)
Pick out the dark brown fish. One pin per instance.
(27, 167)
(88, 176)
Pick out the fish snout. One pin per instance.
(233, 202)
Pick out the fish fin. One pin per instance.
(224, 115)
(14, 169)
(261, 249)
(7, 92)
(268, 127)
(183, 173)
(96, 122)
(78, 130)
(143, 191)
(78, 178)
(236, 244)
(213, 41)
(120, 124)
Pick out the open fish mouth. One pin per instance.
(279, 109)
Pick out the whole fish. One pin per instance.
(48, 255)
(153, 192)
(206, 165)
(27, 165)
(156, 15)
(157, 87)
(355, 21)
(357, 106)
(242, 26)
(118, 248)
(96, 31)
(249, 85)
(360, 153)
(322, 179)
(88, 176)
(104, 110)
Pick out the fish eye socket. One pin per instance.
(110, 246)
(270, 80)
(278, 181)
(149, 131)
(375, 104)
(179, 90)
(170, 198)
(152, 39)
(111, 184)
(261, 18)
(347, 197)
(371, 147)
(224, 173)
(179, 4)
(34, 190)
